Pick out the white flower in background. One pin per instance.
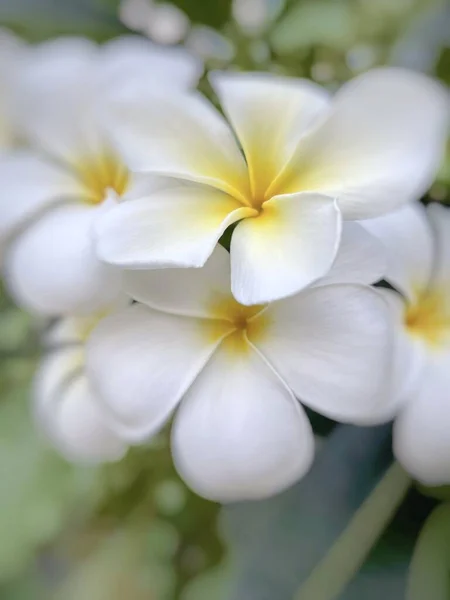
(306, 164)
(240, 431)
(52, 194)
(418, 246)
(65, 405)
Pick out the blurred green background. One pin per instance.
(133, 530)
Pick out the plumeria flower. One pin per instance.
(300, 163)
(66, 408)
(236, 372)
(418, 246)
(52, 194)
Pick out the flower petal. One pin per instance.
(179, 135)
(268, 113)
(141, 362)
(58, 96)
(421, 432)
(440, 221)
(30, 185)
(190, 292)
(51, 268)
(379, 147)
(360, 258)
(408, 240)
(239, 434)
(409, 353)
(68, 412)
(173, 227)
(290, 244)
(332, 345)
(134, 58)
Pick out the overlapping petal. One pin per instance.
(239, 433)
(379, 147)
(410, 248)
(360, 258)
(177, 226)
(180, 135)
(58, 98)
(421, 440)
(200, 292)
(333, 346)
(269, 114)
(30, 185)
(68, 412)
(291, 243)
(52, 268)
(142, 361)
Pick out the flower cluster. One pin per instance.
(114, 216)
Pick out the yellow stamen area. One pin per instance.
(429, 319)
(101, 172)
(237, 323)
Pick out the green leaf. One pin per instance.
(430, 566)
(39, 490)
(215, 14)
(385, 572)
(306, 24)
(276, 544)
(38, 20)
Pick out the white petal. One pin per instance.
(51, 268)
(239, 433)
(58, 98)
(30, 185)
(142, 361)
(380, 146)
(360, 258)
(410, 354)
(421, 432)
(440, 220)
(180, 135)
(168, 228)
(332, 345)
(68, 412)
(268, 113)
(408, 239)
(135, 59)
(191, 292)
(290, 244)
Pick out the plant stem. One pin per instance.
(331, 576)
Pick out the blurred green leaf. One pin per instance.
(315, 22)
(211, 584)
(215, 14)
(276, 544)
(38, 20)
(430, 566)
(39, 490)
(385, 572)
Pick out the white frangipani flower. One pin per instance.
(418, 247)
(53, 193)
(238, 370)
(307, 163)
(65, 405)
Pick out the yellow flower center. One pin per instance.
(429, 319)
(237, 322)
(100, 173)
